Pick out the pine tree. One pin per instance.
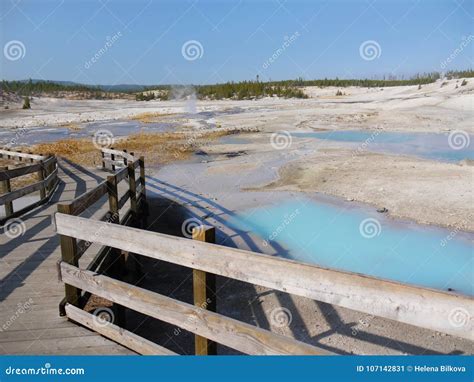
(26, 103)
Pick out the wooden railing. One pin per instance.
(72, 249)
(115, 159)
(422, 307)
(47, 172)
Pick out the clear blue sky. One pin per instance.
(238, 38)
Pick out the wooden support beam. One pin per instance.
(69, 256)
(132, 192)
(128, 339)
(227, 331)
(204, 291)
(41, 177)
(5, 188)
(112, 158)
(102, 154)
(117, 258)
(141, 163)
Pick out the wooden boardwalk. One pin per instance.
(30, 291)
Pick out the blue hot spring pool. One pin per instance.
(358, 240)
(452, 147)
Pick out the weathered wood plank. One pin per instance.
(123, 200)
(122, 174)
(5, 198)
(22, 155)
(5, 188)
(81, 203)
(204, 291)
(427, 308)
(115, 333)
(19, 171)
(13, 195)
(235, 334)
(69, 254)
(121, 153)
(55, 345)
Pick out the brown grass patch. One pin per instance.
(150, 117)
(156, 147)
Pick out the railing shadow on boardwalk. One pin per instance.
(237, 299)
(73, 182)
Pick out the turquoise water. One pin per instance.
(335, 237)
(425, 145)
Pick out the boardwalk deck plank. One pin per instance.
(28, 271)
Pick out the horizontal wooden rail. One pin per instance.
(82, 202)
(17, 154)
(128, 339)
(13, 195)
(227, 331)
(120, 153)
(25, 170)
(116, 159)
(426, 308)
(47, 173)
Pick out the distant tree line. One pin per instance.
(248, 90)
(460, 74)
(366, 83)
(30, 87)
(229, 90)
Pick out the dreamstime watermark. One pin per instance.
(280, 317)
(188, 226)
(362, 323)
(104, 316)
(456, 52)
(288, 218)
(191, 319)
(364, 145)
(103, 138)
(111, 218)
(458, 139)
(14, 50)
(44, 370)
(287, 41)
(15, 228)
(109, 42)
(192, 50)
(370, 228)
(452, 234)
(281, 140)
(459, 317)
(22, 131)
(21, 309)
(370, 50)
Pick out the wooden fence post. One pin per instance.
(144, 210)
(132, 190)
(112, 158)
(49, 169)
(69, 255)
(41, 177)
(204, 291)
(135, 214)
(5, 188)
(102, 154)
(142, 177)
(124, 158)
(116, 257)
